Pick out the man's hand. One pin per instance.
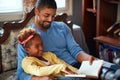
(91, 59)
(85, 57)
(42, 78)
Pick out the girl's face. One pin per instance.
(36, 47)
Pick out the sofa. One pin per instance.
(8, 41)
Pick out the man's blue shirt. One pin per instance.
(59, 40)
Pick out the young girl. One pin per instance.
(41, 63)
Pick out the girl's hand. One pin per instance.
(68, 71)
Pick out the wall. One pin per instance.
(118, 18)
(77, 12)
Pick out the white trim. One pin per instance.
(67, 9)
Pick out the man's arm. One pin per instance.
(85, 57)
(21, 75)
(75, 49)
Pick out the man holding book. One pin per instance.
(57, 38)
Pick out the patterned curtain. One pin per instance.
(28, 5)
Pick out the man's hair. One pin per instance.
(40, 4)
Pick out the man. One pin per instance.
(56, 37)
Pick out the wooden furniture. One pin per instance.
(21, 24)
(8, 27)
(96, 21)
(107, 40)
(8, 42)
(89, 24)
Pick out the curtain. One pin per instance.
(28, 5)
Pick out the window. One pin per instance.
(64, 6)
(10, 6)
(13, 9)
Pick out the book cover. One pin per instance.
(88, 71)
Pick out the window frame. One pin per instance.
(10, 16)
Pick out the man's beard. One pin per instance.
(45, 27)
(42, 24)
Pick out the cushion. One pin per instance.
(9, 75)
(9, 50)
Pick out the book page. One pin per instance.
(91, 70)
(88, 71)
(75, 75)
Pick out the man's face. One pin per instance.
(45, 17)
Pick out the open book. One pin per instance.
(88, 71)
